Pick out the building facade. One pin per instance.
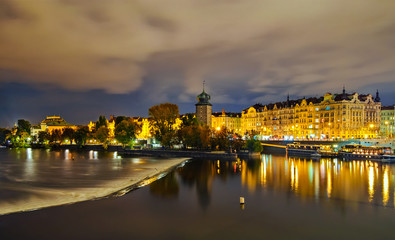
(51, 124)
(231, 121)
(387, 126)
(204, 109)
(332, 116)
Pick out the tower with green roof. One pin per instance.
(204, 108)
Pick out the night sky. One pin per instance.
(81, 59)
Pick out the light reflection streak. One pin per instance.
(385, 187)
(29, 165)
(66, 154)
(329, 183)
(316, 183)
(264, 172)
(371, 183)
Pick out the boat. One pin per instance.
(313, 151)
(297, 149)
(374, 153)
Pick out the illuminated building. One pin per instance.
(231, 121)
(204, 108)
(332, 116)
(110, 126)
(51, 124)
(387, 126)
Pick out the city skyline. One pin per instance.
(78, 60)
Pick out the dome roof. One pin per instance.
(203, 99)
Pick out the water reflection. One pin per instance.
(350, 182)
(166, 187)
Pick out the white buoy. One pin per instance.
(242, 200)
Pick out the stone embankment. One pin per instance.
(179, 153)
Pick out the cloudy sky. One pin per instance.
(81, 59)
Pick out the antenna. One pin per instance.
(204, 82)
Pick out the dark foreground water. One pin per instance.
(286, 198)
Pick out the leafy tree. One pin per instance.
(81, 135)
(4, 133)
(43, 136)
(68, 133)
(126, 131)
(119, 119)
(163, 117)
(195, 136)
(189, 119)
(102, 134)
(56, 135)
(220, 139)
(101, 122)
(237, 143)
(254, 145)
(24, 126)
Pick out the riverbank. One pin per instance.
(217, 155)
(41, 197)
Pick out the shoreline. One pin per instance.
(113, 188)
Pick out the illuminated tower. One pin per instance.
(204, 108)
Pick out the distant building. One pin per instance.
(204, 108)
(387, 126)
(231, 121)
(332, 116)
(110, 126)
(51, 124)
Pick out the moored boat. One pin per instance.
(298, 149)
(358, 152)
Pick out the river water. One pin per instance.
(285, 198)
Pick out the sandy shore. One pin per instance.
(46, 197)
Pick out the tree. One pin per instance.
(125, 131)
(195, 136)
(189, 119)
(102, 134)
(101, 122)
(119, 119)
(254, 145)
(56, 135)
(68, 134)
(81, 135)
(163, 118)
(43, 136)
(24, 126)
(220, 139)
(4, 133)
(237, 143)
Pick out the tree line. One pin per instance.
(166, 126)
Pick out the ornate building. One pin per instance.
(204, 108)
(332, 116)
(51, 124)
(231, 121)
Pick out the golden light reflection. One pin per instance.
(385, 187)
(329, 183)
(371, 183)
(351, 181)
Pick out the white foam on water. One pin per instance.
(48, 197)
